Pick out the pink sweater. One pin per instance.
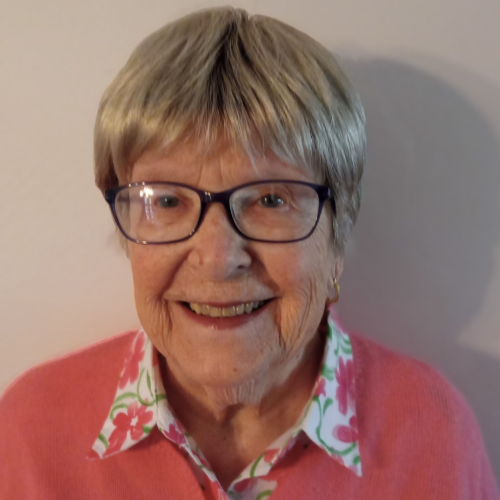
(418, 438)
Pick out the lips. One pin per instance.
(218, 320)
(227, 311)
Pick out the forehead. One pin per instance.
(223, 167)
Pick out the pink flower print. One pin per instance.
(287, 448)
(245, 484)
(345, 378)
(136, 416)
(131, 369)
(203, 460)
(320, 387)
(174, 434)
(116, 441)
(347, 434)
(269, 455)
(180, 427)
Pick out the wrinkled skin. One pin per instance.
(228, 367)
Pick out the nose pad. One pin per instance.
(221, 211)
(218, 250)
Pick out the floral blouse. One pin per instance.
(328, 420)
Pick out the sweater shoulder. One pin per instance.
(408, 413)
(62, 384)
(380, 369)
(397, 390)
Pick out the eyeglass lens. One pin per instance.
(274, 211)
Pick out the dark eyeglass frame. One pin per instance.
(206, 197)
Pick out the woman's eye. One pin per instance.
(168, 201)
(271, 201)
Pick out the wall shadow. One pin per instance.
(422, 254)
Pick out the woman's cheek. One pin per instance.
(305, 306)
(151, 270)
(150, 277)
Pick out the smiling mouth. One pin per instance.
(225, 312)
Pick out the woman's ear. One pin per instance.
(334, 274)
(339, 268)
(336, 271)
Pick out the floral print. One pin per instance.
(347, 433)
(130, 371)
(320, 387)
(245, 484)
(133, 421)
(329, 419)
(174, 435)
(269, 455)
(345, 389)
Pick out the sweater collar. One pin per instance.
(329, 419)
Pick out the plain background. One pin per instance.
(422, 274)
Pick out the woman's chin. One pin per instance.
(227, 355)
(217, 369)
(234, 372)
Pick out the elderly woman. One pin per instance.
(230, 150)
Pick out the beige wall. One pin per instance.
(423, 269)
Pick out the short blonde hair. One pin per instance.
(260, 83)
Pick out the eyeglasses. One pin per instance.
(278, 211)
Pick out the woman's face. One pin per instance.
(218, 267)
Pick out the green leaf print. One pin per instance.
(149, 385)
(103, 440)
(125, 395)
(117, 407)
(344, 452)
(337, 349)
(345, 345)
(346, 340)
(264, 494)
(159, 397)
(328, 373)
(328, 402)
(329, 332)
(147, 429)
(320, 439)
(142, 401)
(254, 466)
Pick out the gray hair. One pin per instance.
(253, 80)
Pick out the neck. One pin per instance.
(232, 432)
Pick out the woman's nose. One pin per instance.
(218, 252)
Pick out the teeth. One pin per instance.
(215, 312)
(225, 312)
(228, 312)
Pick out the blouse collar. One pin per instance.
(329, 418)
